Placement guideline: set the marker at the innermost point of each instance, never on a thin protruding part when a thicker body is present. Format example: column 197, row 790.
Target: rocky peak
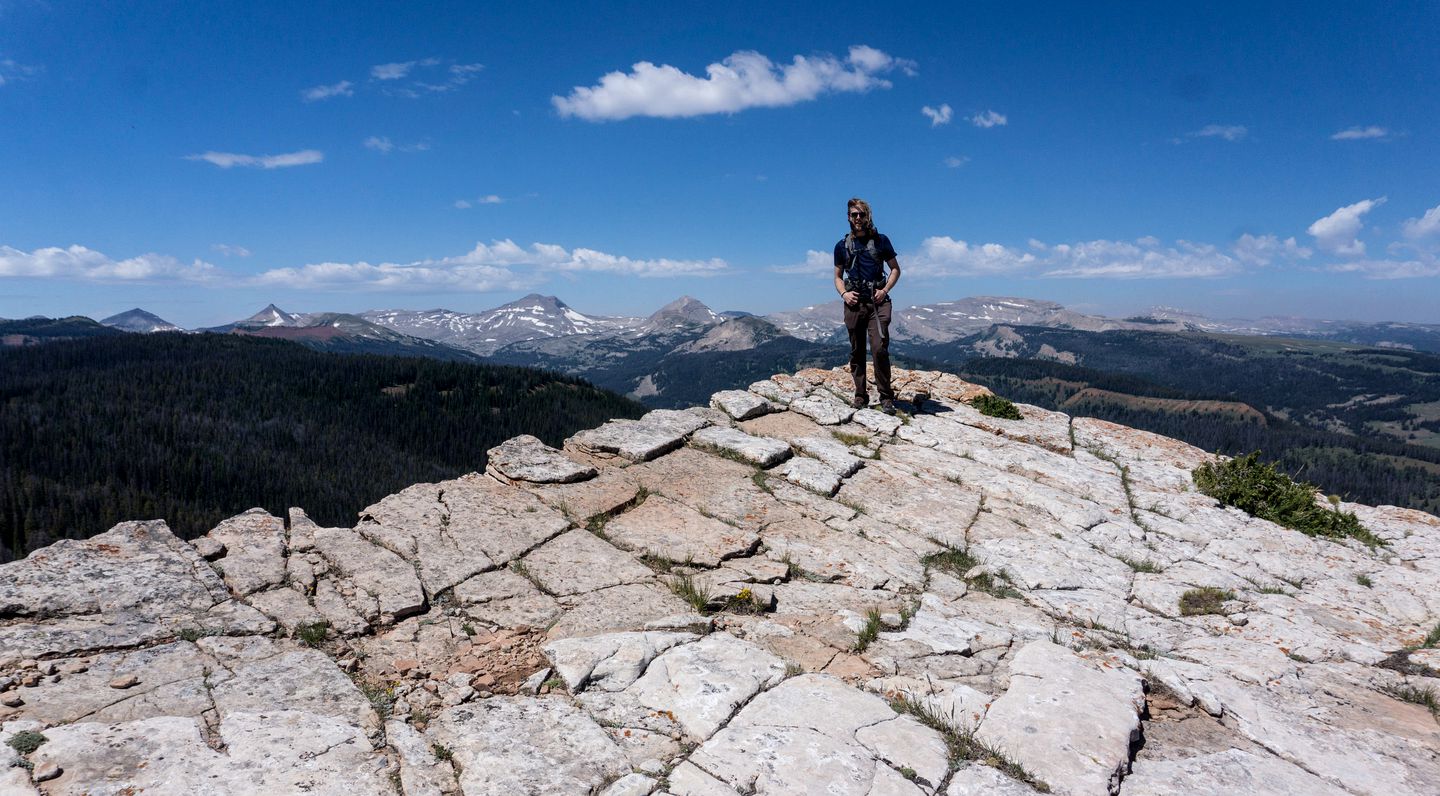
column 682, row 312
column 138, row 320
column 735, row 334
column 271, row 316
column 709, row 601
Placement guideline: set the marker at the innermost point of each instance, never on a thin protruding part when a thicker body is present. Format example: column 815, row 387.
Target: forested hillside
column 195, row 428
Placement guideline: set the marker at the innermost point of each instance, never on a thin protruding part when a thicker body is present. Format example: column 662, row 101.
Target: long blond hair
column 867, row 220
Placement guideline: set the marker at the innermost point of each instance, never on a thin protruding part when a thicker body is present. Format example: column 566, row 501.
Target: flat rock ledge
column 776, row 594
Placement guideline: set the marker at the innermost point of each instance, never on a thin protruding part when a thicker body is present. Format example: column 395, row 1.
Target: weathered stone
column 384, row 577
column 759, row 451
column 799, row 737
column 741, row 404
column 208, row 548
column 975, row 779
column 781, row 391
column 503, row 598
column 1223, row 773
column 719, row 488
column 459, row 528
column 579, row 562
column 254, row 545
column 525, row 458
column 636, row 440
column 675, row 532
column 421, row 773
column 831, row 451
column 811, row 474
column 702, row 683
column 825, row 411
column 564, row 751
column 634, row 784
column 876, row 421
column 1067, row 720
column 630, row 607
column 610, row 662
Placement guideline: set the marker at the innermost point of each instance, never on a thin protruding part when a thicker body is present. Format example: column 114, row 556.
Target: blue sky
column 203, row 159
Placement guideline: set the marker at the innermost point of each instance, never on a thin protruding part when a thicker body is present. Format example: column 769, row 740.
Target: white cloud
column 230, row 251
column 1267, row 249
column 1145, row 258
column 1360, row 133
column 81, row 263
column 379, row 143
column 1424, row 226
column 1337, row 232
column 10, row 70
column 1229, row 132
column 499, row 265
column 316, row 93
column 487, row 199
column 227, row 160
column 955, row 161
column 938, row 116
column 399, row 69
column 816, row 263
column 989, row 119
column 945, row 256
column 745, row 79
column 1422, row 266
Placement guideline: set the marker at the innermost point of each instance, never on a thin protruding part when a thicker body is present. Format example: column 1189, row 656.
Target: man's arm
column 894, row 277
column 850, row 296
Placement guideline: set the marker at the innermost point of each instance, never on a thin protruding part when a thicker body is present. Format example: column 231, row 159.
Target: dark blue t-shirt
column 867, row 267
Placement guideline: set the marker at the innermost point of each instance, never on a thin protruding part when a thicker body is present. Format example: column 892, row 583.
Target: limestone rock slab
column 564, row 751
column 610, row 662
column 831, row 451
column 741, row 404
column 703, row 682
column 387, row 578
column 1068, row 721
column 254, row 551
column 579, row 561
column 526, row 458
column 759, row 451
column 1223, row 773
column 629, row 607
column 825, row 411
column 674, row 531
column 811, row 474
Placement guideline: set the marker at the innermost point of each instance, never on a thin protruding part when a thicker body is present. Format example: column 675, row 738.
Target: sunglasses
column 857, row 214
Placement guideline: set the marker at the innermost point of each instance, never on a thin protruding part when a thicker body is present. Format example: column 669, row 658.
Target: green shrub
column 27, row 741
column 1258, row 489
column 993, row 405
column 1204, row 600
column 312, row 634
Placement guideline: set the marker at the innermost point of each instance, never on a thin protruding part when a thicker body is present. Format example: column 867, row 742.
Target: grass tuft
column 869, row 632
column 380, row 696
column 1141, row 565
column 1364, row 580
column 992, row 405
column 1204, row 600
column 1423, row 696
column 193, row 634
column 847, row 438
column 442, row 752
column 312, row 634
column 685, row 588
column 961, row 746
column 957, row 562
column 1260, row 490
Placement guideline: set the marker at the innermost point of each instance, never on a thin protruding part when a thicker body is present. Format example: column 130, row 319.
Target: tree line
column 196, row 428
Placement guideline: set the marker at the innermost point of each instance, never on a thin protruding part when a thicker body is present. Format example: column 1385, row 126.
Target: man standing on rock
column 860, row 278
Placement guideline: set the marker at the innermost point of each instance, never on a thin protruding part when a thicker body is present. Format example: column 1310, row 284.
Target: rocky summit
column 775, row 594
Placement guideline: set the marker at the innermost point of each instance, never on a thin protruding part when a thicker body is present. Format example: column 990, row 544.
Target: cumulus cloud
column 316, row 93
column 945, row 256
column 816, row 263
column 955, row 161
column 1145, row 258
column 226, row 160
column 1229, row 132
column 1337, row 232
column 379, row 143
column 81, row 263
column 230, row 251
column 1426, row 264
column 496, row 266
column 745, row 79
column 1268, row 249
column 1425, row 226
column 938, row 116
column 989, row 119
column 1360, row 133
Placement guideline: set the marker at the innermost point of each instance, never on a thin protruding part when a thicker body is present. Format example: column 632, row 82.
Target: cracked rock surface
column 776, row 595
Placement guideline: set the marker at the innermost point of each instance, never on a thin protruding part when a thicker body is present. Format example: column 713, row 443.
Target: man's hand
column 880, row 296
column 851, row 298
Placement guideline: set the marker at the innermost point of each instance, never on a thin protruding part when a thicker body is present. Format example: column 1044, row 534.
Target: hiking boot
column 887, row 406
column 859, row 402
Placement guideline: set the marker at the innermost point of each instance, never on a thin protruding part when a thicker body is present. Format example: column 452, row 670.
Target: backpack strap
column 852, row 255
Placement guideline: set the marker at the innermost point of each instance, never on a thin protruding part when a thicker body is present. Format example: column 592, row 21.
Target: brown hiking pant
column 868, row 320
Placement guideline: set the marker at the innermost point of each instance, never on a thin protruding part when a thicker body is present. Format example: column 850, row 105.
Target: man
column 860, row 278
